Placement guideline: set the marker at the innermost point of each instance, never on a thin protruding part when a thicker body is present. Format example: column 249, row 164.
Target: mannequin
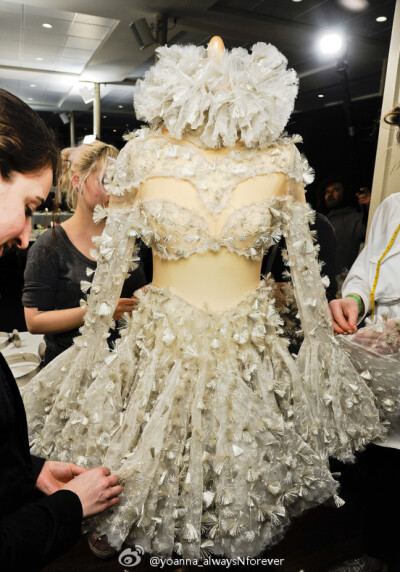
column 218, row 436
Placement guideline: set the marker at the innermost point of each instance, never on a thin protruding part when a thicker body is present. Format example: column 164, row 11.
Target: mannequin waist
column 218, row 281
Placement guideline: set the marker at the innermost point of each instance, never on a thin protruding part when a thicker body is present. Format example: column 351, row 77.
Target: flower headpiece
column 239, row 97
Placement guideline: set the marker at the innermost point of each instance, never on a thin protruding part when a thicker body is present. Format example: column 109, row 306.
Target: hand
column 344, row 314
column 54, row 475
column 125, row 305
column 364, row 196
column 385, row 340
column 97, row 490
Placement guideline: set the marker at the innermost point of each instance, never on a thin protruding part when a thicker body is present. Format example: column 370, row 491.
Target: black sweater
column 34, row 528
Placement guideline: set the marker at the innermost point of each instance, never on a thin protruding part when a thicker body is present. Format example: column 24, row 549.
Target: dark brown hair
column 26, row 144
column 393, row 118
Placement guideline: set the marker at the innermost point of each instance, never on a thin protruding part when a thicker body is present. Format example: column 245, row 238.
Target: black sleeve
column 41, row 274
column 37, row 465
column 39, row 532
column 327, row 243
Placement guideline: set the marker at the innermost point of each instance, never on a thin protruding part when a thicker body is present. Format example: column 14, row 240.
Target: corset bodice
column 175, row 231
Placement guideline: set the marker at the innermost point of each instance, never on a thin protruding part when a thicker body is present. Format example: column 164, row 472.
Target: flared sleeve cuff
column 339, row 398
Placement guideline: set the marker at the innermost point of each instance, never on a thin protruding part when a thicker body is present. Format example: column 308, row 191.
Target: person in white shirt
column 373, row 284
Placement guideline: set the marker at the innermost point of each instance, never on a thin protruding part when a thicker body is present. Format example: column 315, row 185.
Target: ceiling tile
column 81, row 43
column 88, row 31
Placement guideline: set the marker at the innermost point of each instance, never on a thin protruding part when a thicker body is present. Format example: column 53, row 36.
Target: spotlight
column 331, row 44
column 142, row 32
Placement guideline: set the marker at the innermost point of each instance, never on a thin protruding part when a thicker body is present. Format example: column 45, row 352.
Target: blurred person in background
column 62, row 258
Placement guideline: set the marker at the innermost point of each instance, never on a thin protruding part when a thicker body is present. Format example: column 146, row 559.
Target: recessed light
column 321, row 95
column 381, row 19
column 120, row 106
column 39, row 59
column 33, row 85
column 48, row 26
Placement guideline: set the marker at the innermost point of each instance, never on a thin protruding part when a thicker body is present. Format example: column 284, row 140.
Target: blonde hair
column 84, row 160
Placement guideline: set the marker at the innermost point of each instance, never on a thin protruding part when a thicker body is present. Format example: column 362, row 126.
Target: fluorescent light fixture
column 39, row 59
column 331, row 43
column 381, row 19
column 89, row 139
column 354, row 5
column 33, row 85
column 47, row 26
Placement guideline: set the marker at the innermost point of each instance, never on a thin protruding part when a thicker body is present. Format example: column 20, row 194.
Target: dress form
column 233, row 276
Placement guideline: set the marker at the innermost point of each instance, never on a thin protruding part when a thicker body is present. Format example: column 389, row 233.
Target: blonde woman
column 60, row 259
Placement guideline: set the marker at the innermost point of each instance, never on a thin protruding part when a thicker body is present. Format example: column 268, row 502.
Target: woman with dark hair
column 41, row 502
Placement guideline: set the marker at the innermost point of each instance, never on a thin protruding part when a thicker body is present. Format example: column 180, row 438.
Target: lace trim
column 151, row 154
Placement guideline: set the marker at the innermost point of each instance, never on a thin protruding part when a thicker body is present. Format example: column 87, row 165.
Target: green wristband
column 358, row 300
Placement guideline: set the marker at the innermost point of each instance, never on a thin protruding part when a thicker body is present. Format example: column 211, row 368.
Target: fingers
column 340, row 323
column 76, row 470
column 344, row 315
column 112, row 492
column 113, row 480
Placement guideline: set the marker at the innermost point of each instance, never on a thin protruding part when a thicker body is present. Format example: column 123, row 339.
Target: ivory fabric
column 219, row 435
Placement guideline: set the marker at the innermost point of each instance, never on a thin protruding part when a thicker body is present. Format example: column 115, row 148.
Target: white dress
column 218, row 434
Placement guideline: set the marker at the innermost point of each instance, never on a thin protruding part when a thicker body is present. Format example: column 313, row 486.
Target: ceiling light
column 321, row 95
column 354, row 5
column 296, row 0
column 104, row 116
column 381, row 19
column 39, row 59
column 331, row 43
column 33, row 85
column 48, row 26
column 120, row 106
column 30, row 98
column 114, row 130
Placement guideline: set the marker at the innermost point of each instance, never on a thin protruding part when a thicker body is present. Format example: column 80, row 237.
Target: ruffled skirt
column 204, row 417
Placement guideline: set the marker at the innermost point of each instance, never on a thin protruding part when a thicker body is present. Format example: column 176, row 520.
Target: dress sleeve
column 115, row 254
column 341, row 404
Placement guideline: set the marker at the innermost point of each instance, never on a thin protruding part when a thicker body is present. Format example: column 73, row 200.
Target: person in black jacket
column 41, row 502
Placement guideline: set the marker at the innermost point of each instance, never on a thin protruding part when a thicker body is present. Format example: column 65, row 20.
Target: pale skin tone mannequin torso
column 80, row 229
column 233, row 276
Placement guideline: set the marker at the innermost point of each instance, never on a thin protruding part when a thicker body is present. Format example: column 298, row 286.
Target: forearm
column 54, row 320
column 40, row 531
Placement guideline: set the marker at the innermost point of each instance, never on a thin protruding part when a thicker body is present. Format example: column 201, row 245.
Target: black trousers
column 381, row 468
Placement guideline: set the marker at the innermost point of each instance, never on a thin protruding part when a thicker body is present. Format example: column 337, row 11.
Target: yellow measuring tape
column 389, row 246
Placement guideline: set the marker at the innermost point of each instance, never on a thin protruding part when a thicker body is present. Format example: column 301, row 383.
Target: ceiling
column 90, row 40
